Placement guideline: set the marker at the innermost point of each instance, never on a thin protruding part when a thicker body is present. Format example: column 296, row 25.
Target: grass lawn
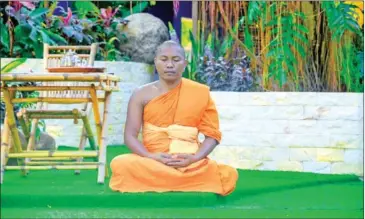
column 259, row 194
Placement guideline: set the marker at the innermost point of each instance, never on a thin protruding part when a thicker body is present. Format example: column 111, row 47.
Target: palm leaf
column 12, row 65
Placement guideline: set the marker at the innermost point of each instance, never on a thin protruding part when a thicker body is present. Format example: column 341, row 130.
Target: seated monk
column 172, row 112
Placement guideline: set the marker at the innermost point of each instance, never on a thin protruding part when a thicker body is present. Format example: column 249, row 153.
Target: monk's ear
column 186, row 62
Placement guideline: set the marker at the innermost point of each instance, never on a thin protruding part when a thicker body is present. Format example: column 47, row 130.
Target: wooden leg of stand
column 102, row 170
column 4, row 147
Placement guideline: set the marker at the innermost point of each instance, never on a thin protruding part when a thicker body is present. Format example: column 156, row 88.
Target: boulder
column 45, row 142
column 144, row 33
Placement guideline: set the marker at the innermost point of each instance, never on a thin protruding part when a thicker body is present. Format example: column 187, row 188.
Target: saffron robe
column 171, row 124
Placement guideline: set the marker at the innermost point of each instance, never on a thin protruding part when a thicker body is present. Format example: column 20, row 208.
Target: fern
column 340, row 18
column 290, row 37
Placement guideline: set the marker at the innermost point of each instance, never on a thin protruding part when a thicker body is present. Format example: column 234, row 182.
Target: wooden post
column 93, row 51
column 12, row 125
column 95, row 105
column 103, row 170
column 4, row 147
column 45, row 55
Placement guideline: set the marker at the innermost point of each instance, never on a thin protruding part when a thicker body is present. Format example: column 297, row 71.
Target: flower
column 66, row 20
column 108, row 14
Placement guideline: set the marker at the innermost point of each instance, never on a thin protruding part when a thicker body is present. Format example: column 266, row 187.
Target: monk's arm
column 133, row 124
column 209, row 126
column 206, row 148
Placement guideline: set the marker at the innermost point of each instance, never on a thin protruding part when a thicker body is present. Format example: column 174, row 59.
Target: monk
column 172, row 112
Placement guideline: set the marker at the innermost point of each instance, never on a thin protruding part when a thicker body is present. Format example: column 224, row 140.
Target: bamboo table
column 101, row 82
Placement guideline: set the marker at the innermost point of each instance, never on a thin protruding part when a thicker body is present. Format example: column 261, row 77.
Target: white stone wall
column 311, row 132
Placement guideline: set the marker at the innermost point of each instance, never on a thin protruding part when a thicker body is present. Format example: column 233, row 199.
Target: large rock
column 45, row 142
column 144, row 33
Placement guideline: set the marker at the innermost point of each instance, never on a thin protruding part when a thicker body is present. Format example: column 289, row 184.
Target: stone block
column 302, row 140
column 275, row 112
column 304, row 127
column 344, row 168
column 294, row 99
column 232, row 113
column 354, row 156
column 115, row 139
column 269, row 165
column 255, row 99
column 249, row 140
column 303, row 154
column 346, row 141
column 317, row 167
column 338, row 99
column 271, row 154
column 340, row 127
column 245, row 152
column 329, row 154
column 262, row 126
column 223, row 98
column 331, row 112
column 289, row 166
column 249, row 164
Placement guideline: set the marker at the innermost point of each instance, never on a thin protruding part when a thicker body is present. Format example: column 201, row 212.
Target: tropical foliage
column 291, row 45
column 26, row 25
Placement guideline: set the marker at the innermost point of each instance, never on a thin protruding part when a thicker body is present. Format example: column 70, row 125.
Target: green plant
column 289, row 39
column 25, row 30
column 323, row 38
column 29, row 25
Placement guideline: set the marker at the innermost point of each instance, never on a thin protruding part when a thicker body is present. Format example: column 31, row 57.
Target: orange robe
column 171, row 124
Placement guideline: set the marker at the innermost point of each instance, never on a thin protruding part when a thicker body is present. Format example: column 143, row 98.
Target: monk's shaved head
column 171, row 43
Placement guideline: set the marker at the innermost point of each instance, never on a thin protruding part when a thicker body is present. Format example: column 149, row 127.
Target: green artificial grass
column 259, row 194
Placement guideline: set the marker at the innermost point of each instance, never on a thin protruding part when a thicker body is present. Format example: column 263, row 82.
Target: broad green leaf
column 273, row 52
column 140, row 7
column 38, row 49
column 56, row 38
column 83, row 7
column 46, row 38
column 291, row 67
column 302, row 38
column 4, row 36
column 253, row 12
column 38, row 12
column 12, row 65
column 248, row 39
column 287, row 51
column 22, row 31
column 33, row 34
column 301, row 51
column 302, row 28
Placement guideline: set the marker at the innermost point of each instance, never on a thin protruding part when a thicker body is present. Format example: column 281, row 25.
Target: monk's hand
column 160, row 157
column 181, row 160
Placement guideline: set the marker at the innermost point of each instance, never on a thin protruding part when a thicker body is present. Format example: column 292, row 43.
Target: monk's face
column 170, row 63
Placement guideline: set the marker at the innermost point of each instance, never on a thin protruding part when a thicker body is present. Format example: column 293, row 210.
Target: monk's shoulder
column 196, row 86
column 141, row 91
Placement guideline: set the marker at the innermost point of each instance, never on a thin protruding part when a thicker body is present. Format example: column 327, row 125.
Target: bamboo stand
column 32, row 159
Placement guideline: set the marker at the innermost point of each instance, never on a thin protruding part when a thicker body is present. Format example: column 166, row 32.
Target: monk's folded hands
column 181, row 160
